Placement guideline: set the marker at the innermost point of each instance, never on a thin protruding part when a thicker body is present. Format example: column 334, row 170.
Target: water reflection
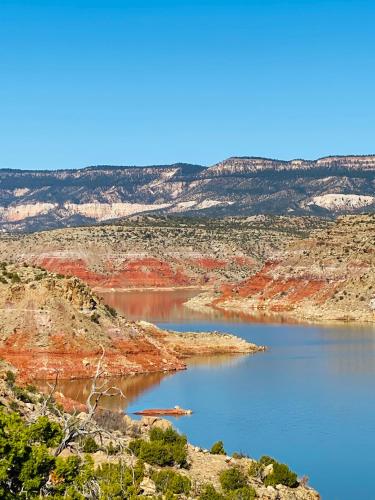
column 168, row 305
column 153, row 305
column 216, row 360
column 349, row 350
column 132, row 386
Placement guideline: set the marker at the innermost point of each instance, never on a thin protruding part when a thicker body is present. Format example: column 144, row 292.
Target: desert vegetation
column 48, row 453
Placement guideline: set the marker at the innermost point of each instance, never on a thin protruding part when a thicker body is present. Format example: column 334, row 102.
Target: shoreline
column 197, row 465
column 150, row 289
column 182, row 346
column 205, row 303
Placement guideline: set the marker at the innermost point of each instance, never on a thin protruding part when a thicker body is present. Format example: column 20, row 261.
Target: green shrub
column 232, row 479
column 179, row 453
column 168, row 481
column 266, row 460
column 112, row 450
column 218, row 448
column 156, row 453
column 117, row 481
column 31, row 388
column 89, row 445
column 164, row 448
column 244, row 493
column 86, row 472
column 255, row 469
column 15, row 278
column 35, row 470
column 10, row 378
column 281, row 475
column 22, row 394
column 209, row 493
column 95, row 317
column 135, row 446
column 25, row 461
column 13, row 405
column 169, row 436
column 45, row 431
column 111, row 310
column 65, row 472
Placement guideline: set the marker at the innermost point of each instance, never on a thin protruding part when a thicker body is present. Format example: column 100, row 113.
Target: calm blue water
column 309, row 401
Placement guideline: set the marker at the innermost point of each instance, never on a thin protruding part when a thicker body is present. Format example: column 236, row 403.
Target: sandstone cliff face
column 23, row 211
column 329, row 276
column 34, row 200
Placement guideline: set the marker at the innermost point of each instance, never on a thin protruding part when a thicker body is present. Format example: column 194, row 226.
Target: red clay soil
column 277, row 295
column 122, row 357
column 69, row 267
column 69, row 405
column 146, row 272
column 209, row 263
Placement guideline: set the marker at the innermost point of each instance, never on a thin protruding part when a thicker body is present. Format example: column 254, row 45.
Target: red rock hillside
column 49, row 323
column 329, row 276
column 157, row 252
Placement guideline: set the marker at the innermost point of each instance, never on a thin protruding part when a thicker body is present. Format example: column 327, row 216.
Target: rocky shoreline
column 188, row 344
column 208, row 302
column 52, row 324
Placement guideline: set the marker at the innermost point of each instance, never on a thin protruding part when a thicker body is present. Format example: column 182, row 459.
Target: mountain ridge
column 329, row 186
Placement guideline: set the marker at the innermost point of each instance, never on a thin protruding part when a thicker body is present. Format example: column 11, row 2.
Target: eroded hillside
column 49, row 323
column 330, row 275
column 160, row 251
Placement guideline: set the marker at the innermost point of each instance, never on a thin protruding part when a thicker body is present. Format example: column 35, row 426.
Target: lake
column 308, row 401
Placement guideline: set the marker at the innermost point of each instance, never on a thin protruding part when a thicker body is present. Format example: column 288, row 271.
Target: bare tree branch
column 74, row 426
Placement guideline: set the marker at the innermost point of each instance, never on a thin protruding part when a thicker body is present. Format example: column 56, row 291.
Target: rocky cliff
column 33, row 200
column 49, row 323
column 328, row 276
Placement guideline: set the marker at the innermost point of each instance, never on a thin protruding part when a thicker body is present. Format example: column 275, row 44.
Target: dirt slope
column 329, row 276
column 49, row 323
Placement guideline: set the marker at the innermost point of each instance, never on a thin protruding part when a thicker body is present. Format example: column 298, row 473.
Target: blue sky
column 146, row 82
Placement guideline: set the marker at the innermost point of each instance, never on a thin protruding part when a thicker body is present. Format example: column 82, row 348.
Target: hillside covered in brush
column 327, row 276
column 157, row 251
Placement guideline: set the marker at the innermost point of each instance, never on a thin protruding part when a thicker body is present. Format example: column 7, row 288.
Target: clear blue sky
column 144, row 82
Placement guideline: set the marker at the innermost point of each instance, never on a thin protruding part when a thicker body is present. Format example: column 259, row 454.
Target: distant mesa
column 32, row 200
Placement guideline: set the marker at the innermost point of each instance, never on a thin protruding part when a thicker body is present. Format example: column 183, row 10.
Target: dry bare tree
column 76, row 426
